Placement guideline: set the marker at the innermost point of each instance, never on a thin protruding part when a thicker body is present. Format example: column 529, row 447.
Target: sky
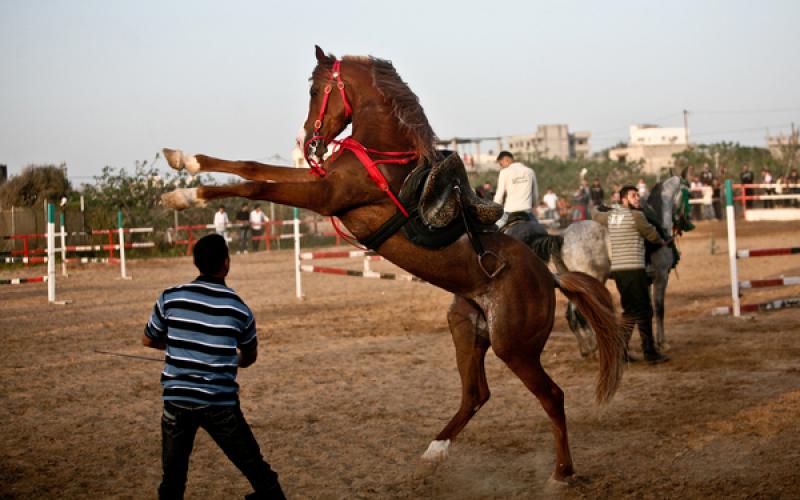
column 95, row 82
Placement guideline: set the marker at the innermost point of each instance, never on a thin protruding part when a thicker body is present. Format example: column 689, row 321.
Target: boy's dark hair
column 210, row 253
column 625, row 190
column 504, row 154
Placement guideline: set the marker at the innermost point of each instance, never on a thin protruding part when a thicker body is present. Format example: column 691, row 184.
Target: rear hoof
column 425, row 469
column 181, row 199
column 436, row 453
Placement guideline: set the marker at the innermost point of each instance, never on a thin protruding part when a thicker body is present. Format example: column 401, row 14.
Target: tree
column 33, row 185
column 138, row 195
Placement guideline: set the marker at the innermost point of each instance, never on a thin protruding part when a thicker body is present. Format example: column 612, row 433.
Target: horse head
column 368, row 93
column 329, row 108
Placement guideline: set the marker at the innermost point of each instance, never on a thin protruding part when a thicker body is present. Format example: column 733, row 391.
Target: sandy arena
column 354, row 382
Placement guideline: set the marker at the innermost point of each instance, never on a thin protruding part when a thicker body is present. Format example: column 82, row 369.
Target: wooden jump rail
column 756, row 214
column 734, row 254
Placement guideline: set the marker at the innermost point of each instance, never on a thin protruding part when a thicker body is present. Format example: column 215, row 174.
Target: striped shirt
column 202, row 323
column 626, row 230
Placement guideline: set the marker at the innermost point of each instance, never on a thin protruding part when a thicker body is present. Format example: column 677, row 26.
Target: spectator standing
column 580, row 201
column 779, row 190
column 550, row 199
column 641, row 187
column 747, row 177
column 628, row 227
column 597, row 194
column 221, row 222
column 716, row 199
column 766, row 178
column 696, row 194
column 208, row 333
column 706, row 176
column 258, row 219
column 243, row 221
column 794, row 178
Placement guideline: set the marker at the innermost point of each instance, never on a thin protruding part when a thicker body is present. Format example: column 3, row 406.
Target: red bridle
column 359, row 150
column 313, row 143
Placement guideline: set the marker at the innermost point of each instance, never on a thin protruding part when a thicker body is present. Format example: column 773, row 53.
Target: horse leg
column 250, row 170
column 659, row 293
column 527, row 366
column 471, row 341
column 315, row 196
column 582, row 331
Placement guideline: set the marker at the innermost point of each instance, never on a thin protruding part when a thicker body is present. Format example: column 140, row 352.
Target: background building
column 653, row 145
column 550, row 141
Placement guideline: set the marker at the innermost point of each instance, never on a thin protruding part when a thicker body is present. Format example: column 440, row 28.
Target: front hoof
column 174, row 158
column 181, row 199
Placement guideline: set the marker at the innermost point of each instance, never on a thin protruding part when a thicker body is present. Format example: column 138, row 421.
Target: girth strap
column 476, row 242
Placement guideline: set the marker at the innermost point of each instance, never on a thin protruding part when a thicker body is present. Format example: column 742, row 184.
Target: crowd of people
column 706, row 191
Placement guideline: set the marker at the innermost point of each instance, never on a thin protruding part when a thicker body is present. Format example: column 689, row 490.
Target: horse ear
column 321, row 57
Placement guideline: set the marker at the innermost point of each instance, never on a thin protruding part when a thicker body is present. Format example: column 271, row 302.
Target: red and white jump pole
column 736, row 286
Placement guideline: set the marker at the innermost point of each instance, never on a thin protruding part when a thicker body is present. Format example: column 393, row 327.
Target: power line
column 743, row 111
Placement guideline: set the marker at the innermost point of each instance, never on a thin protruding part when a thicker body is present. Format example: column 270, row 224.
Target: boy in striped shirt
column 208, row 332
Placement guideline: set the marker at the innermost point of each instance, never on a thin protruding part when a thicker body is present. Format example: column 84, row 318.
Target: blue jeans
column 227, row 426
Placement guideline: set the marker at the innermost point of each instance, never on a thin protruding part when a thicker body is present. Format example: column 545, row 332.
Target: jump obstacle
column 366, row 272
column 737, row 308
column 50, row 277
column 51, row 250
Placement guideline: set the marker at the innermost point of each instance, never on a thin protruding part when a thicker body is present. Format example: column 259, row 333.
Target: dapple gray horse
column 584, row 246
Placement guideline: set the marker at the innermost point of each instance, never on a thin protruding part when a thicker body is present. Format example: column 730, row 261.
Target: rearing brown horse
column 512, row 312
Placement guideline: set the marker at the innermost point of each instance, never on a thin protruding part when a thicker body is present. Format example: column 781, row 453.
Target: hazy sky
column 98, row 82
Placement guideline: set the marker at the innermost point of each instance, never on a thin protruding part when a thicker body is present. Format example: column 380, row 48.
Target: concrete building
column 550, row 141
column 785, row 146
column 652, row 144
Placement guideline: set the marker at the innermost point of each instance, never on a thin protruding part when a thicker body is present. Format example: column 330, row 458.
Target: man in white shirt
column 257, row 221
column 518, row 192
column 550, row 199
column 221, row 222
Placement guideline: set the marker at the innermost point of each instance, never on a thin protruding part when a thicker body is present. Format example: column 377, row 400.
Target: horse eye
column 313, row 91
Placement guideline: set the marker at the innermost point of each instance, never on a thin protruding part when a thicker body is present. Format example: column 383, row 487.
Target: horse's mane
column 657, row 198
column 654, row 199
column 405, row 105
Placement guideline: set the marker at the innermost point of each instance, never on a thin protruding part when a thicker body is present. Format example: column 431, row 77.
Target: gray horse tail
column 548, row 248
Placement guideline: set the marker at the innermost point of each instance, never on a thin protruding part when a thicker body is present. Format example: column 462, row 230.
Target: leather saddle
column 446, row 190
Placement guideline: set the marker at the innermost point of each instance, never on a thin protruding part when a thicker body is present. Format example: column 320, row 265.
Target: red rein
column 359, row 150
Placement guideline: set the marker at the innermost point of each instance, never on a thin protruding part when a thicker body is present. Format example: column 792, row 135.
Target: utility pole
column 686, row 126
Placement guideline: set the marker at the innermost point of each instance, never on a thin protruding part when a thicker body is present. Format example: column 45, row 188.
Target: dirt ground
column 354, row 382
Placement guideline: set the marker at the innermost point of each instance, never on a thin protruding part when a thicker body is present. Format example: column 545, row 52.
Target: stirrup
column 491, row 275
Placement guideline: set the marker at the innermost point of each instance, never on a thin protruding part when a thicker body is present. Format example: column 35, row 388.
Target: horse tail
column 549, row 247
column 594, row 301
